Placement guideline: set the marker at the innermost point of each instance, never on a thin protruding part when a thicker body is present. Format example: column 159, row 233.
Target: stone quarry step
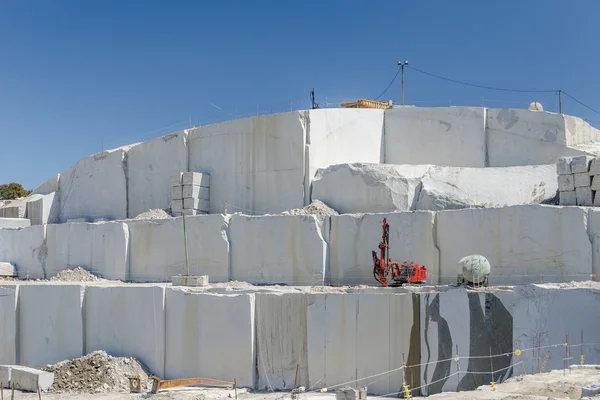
column 7, row 269
column 25, row 378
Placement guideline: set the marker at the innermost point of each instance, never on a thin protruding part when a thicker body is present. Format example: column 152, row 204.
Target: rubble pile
column 97, row 373
column 76, row 274
column 154, row 214
column 317, row 207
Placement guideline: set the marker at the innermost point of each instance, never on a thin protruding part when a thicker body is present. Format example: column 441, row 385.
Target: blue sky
column 77, row 77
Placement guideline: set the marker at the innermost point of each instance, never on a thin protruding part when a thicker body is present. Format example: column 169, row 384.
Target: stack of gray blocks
column 190, row 194
column 576, row 177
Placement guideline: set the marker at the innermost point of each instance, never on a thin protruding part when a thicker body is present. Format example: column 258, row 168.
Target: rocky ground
column 77, row 274
column 553, row 385
column 317, row 207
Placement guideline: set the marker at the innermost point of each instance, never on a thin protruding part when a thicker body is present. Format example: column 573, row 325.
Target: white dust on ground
column 317, row 207
column 97, row 373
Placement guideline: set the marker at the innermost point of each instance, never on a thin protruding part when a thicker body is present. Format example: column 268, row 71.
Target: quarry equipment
column 474, row 270
column 364, row 103
column 398, row 272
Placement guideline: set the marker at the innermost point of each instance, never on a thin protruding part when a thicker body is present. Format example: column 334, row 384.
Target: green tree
column 13, row 190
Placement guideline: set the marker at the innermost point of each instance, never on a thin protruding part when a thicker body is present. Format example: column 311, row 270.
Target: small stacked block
column 575, row 181
column 190, row 194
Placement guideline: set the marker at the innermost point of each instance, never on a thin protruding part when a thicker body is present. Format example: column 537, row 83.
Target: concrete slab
column 353, row 237
column 563, row 166
column 8, row 327
column 5, row 372
column 26, row 249
column 255, row 164
column 157, row 250
column 524, row 244
column 195, row 179
column 202, row 328
column 127, row 321
column 95, row 187
column 30, row 379
column 338, row 326
column 101, row 248
column 339, row 136
column 150, row 166
column 12, row 223
column 284, row 249
column 566, row 183
column 58, row 333
column 44, row 210
column 582, row 179
column 567, row 198
column 196, row 192
column 7, row 269
column 442, row 136
column 584, row 195
column 475, row 323
column 543, row 316
column 281, row 340
column 176, row 193
column 375, row 187
column 581, row 164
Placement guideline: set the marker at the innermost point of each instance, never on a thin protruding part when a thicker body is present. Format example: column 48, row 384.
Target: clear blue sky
column 80, row 76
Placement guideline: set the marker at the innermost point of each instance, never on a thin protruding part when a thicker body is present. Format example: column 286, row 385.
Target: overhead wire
column 580, row 102
column 390, row 85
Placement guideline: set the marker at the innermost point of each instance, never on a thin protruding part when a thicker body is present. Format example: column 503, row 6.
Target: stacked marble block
column 578, row 181
column 189, row 194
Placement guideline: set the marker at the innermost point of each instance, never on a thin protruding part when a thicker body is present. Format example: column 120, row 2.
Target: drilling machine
column 399, row 272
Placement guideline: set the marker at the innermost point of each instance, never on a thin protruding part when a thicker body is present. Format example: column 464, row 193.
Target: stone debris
column 77, row 274
column 153, row 214
column 97, row 372
column 317, row 207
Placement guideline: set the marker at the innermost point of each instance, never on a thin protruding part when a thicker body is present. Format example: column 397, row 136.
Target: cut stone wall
column 8, row 327
column 256, row 165
column 51, row 324
column 355, row 236
column 157, row 248
column 95, row 187
column 26, row 249
column 281, row 343
column 211, row 336
column 14, row 223
column 101, row 248
column 150, row 166
column 127, row 321
column 44, row 209
column 280, row 249
column 524, row 244
column 443, row 136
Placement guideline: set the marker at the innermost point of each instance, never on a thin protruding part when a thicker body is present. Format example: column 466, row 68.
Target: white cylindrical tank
column 475, row 269
column 536, row 106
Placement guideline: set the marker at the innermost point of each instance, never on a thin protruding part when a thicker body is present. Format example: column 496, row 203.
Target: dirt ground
column 546, row 386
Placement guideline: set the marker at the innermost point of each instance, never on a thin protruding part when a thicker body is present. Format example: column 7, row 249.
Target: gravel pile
column 317, row 207
column 154, row 214
column 76, row 274
column 97, row 373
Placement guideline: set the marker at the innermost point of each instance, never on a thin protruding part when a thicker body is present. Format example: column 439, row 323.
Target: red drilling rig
column 399, row 272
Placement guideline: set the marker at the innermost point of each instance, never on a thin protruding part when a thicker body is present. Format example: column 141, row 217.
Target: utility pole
column 559, row 101
column 402, row 64
column 312, row 99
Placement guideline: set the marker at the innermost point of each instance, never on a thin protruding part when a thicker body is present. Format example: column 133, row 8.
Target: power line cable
column 390, row 85
column 481, row 86
column 583, row 104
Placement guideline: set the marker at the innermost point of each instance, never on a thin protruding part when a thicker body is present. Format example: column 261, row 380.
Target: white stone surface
column 523, row 137
column 15, row 208
column 189, row 280
column 44, row 209
column 26, row 249
column 524, row 244
column 95, row 187
column 356, row 188
column 101, row 248
column 177, row 206
column 127, row 321
column 12, row 223
column 281, row 340
column 195, row 178
column 255, row 164
column 5, row 375
column 563, row 166
column 567, row 198
column 581, row 164
column 454, row 188
column 157, row 250
column 196, row 204
column 566, row 183
column 51, row 185
column 594, row 235
column 584, row 196
column 7, row 269
column 595, row 167
column 176, row 192
column 195, row 191
column 478, row 323
column 51, row 321
column 442, row 136
column 579, row 132
column 354, row 336
column 8, row 327
column 177, row 179
column 339, row 135
column 285, row 249
column 544, row 315
column 582, row 179
column 30, row 379
column 211, row 336
column 150, row 166
column 353, row 237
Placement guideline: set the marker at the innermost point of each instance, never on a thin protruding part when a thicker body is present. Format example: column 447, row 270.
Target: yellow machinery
column 364, row 103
